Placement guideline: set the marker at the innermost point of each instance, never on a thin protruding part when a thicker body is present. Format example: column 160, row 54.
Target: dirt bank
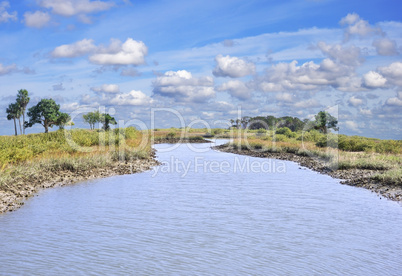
column 192, row 140
column 13, row 195
column 352, row 177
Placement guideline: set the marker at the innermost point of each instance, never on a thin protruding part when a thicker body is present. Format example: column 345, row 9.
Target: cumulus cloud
column 233, row 67
column 351, row 125
column 5, row 16
column 131, row 52
column 183, row 87
column 37, row 19
column 392, row 72
column 236, row 89
column 385, row 47
column 366, row 112
column 346, row 55
column 75, row 7
column 355, row 26
column 307, row 103
column 394, row 101
column 106, row 88
column 284, row 97
column 4, row 70
column 76, row 49
column 355, row 101
column 134, row 97
column 284, row 77
column 374, row 80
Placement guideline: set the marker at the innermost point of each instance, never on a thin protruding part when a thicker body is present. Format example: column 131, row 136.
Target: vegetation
column 22, row 101
column 92, row 118
column 47, row 113
column 107, row 120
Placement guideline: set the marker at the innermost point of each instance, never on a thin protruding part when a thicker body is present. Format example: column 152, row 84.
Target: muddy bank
column 165, row 140
column 353, row 177
column 13, row 195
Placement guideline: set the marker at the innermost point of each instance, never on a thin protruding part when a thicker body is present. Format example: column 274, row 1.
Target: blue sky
column 207, row 59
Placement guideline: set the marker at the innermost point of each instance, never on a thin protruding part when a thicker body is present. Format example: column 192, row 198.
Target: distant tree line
column 323, row 121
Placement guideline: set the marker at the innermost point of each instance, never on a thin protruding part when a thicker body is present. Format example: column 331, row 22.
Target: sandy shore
column 14, row 197
column 352, row 177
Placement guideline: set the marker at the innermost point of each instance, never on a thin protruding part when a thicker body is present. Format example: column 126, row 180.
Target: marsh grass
column 387, row 165
column 24, row 158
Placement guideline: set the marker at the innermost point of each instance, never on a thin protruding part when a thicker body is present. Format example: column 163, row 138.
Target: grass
column 384, row 158
column 79, row 150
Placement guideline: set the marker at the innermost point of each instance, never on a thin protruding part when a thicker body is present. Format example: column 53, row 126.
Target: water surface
column 221, row 217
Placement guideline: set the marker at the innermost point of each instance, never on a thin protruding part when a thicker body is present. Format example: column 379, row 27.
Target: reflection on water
column 205, row 212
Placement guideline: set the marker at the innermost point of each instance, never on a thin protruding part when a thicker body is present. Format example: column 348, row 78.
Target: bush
column 171, row 135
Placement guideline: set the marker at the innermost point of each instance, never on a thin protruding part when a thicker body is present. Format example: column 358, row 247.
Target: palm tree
column 13, row 112
column 23, row 100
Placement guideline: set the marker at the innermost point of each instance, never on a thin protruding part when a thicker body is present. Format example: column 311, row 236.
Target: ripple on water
column 298, row 222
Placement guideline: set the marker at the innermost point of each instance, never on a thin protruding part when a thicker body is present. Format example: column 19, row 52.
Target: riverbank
column 26, row 181
column 184, row 140
column 365, row 178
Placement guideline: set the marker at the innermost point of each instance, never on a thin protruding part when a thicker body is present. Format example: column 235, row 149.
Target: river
column 204, row 212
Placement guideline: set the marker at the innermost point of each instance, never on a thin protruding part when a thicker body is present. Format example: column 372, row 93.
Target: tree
column 325, row 121
column 13, row 113
column 107, row 120
column 63, row 120
column 47, row 113
column 92, row 118
column 23, row 100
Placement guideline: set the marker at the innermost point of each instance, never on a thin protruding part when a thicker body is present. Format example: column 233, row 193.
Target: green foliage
column 311, row 136
column 107, row 120
column 46, row 113
column 23, row 100
column 13, row 112
column 92, row 118
column 325, row 121
column 286, row 131
column 171, row 135
column 17, row 149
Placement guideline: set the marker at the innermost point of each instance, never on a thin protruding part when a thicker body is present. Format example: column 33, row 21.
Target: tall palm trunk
column 19, row 121
column 15, row 127
column 23, row 122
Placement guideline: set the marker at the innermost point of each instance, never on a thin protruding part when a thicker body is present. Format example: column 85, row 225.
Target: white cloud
column 37, row 19
column 366, row 112
column 233, row 67
column 309, row 76
column 106, row 88
column 183, row 87
column 346, row 55
column 236, row 89
column 284, row 97
column 392, row 72
column 358, row 27
column 394, row 101
column 4, row 15
column 355, row 101
column 4, row 70
column 351, row 125
column 76, row 49
column 132, row 98
column 74, row 7
column 130, row 52
column 374, row 80
column 307, row 103
column 385, row 47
